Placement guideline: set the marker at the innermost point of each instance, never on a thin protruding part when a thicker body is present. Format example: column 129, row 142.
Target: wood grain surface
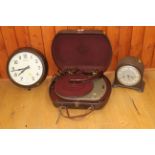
column 3, row 58
column 148, row 46
column 137, row 41
column 125, row 108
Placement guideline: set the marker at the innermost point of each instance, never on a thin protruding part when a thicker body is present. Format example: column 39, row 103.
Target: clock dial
column 26, row 68
column 128, row 75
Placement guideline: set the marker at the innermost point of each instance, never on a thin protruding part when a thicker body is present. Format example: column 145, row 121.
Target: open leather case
column 82, row 57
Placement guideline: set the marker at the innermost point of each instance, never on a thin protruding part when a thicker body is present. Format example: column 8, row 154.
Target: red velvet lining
column 64, row 87
column 82, row 51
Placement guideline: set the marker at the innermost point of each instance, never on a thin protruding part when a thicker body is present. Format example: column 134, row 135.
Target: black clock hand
column 24, row 70
column 19, row 69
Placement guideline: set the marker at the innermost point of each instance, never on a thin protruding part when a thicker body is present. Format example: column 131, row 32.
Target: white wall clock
column 27, row 67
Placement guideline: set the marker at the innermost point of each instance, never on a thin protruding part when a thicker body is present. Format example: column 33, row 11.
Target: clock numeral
column 21, row 78
column 25, row 56
column 12, row 68
column 20, row 57
column 16, row 62
column 39, row 67
column 15, row 74
column 36, row 61
column 37, row 74
column 132, row 77
column 33, row 78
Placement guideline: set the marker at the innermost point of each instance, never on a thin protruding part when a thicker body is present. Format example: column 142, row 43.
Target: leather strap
column 61, row 108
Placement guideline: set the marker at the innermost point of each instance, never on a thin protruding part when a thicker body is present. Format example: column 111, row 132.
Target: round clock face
column 128, row 75
column 26, row 68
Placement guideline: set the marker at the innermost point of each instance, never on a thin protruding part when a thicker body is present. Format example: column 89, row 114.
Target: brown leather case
column 82, row 57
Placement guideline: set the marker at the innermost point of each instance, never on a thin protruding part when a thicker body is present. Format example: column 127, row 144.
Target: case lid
column 82, row 49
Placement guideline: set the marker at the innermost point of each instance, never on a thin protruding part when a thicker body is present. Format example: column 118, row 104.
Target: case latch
column 80, row 30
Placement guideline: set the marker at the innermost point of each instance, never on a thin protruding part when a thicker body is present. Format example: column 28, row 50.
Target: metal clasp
column 80, row 30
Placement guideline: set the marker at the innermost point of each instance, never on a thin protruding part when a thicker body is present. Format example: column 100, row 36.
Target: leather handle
column 90, row 109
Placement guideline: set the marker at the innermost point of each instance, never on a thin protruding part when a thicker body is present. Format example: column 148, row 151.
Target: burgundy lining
column 64, row 87
column 82, row 51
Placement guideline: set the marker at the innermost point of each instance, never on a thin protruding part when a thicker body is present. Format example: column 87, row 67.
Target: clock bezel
column 140, row 76
column 136, row 63
column 40, row 57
